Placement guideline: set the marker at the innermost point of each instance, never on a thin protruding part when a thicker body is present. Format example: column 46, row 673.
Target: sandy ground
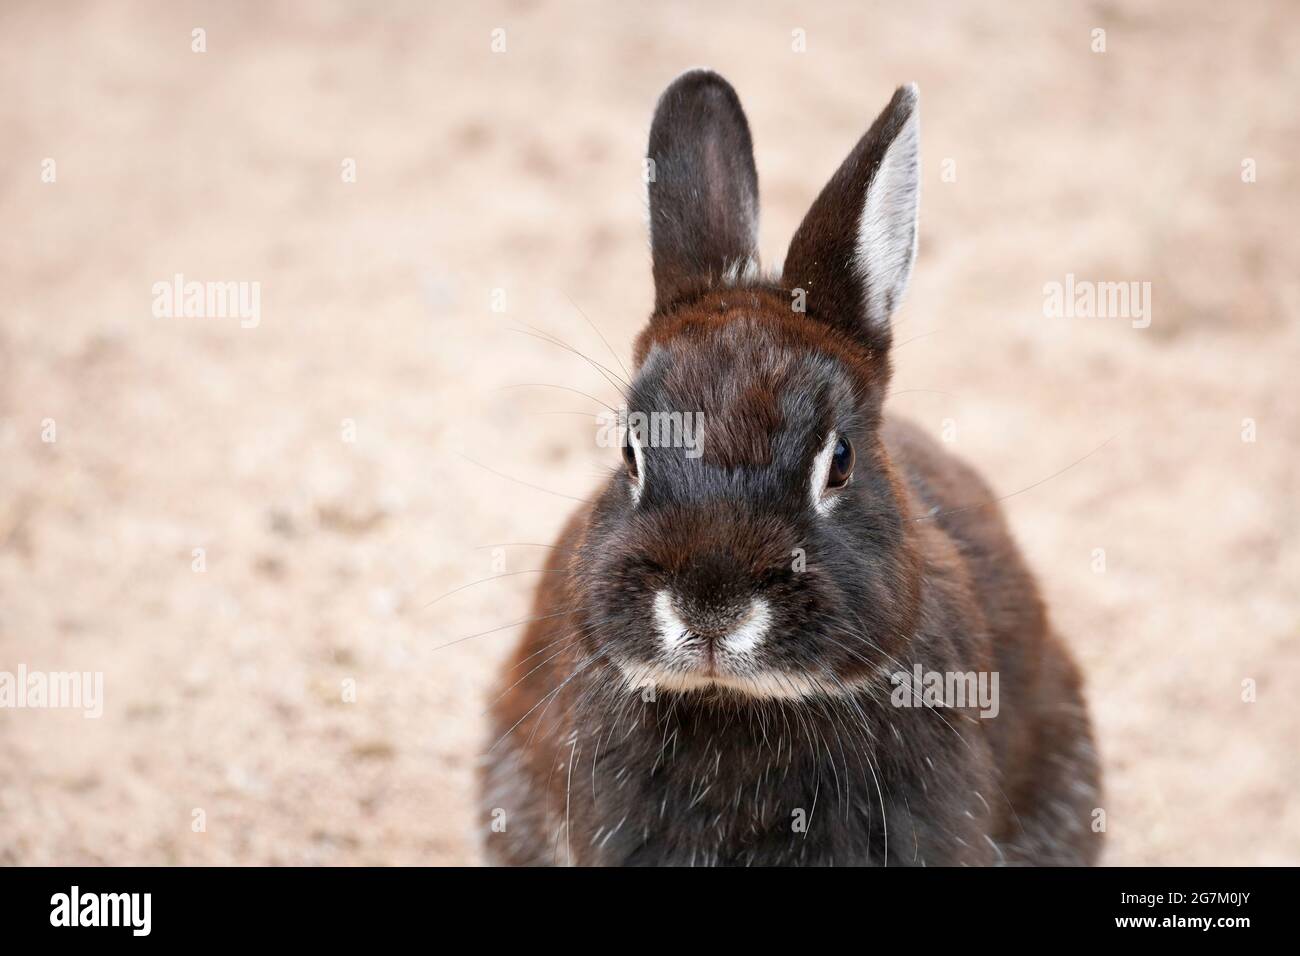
column 224, row 689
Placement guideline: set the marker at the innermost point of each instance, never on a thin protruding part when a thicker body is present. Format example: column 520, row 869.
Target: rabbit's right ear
column 852, row 255
column 703, row 187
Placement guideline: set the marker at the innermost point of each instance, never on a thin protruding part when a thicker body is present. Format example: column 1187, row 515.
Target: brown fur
column 586, row 771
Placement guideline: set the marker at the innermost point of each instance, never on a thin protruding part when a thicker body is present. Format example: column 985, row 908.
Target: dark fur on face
column 709, row 674
column 741, row 522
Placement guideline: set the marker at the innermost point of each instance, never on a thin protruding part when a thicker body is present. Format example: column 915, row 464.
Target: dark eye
column 629, row 457
column 841, row 465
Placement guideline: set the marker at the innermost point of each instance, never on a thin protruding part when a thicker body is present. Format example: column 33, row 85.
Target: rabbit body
column 728, row 659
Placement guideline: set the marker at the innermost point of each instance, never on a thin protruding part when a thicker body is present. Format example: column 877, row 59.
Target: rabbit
column 730, row 659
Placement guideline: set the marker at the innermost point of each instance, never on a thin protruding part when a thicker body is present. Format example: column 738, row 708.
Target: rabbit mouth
column 719, row 649
column 760, row 684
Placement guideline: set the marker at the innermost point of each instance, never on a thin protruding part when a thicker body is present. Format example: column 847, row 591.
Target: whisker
column 503, row 574
column 504, row 627
column 564, row 388
column 914, row 338
column 928, row 391
column 610, row 348
column 607, row 373
column 568, row 642
column 520, row 481
column 523, row 544
column 937, row 512
column 551, row 697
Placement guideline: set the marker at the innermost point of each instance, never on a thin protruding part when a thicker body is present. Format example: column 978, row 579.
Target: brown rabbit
column 739, row 655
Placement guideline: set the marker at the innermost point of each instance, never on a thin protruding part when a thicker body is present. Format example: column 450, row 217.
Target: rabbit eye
column 632, row 461
column 841, row 469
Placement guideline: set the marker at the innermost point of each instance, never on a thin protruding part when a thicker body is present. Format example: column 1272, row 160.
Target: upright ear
column 703, row 187
column 853, row 253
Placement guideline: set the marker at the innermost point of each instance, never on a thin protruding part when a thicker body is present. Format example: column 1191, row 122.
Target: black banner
column 333, row 906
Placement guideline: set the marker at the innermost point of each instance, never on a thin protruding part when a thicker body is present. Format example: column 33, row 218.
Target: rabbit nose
column 713, row 619
column 683, row 620
column 736, row 626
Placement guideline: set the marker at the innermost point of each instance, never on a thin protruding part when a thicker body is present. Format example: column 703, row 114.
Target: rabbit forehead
column 768, row 315
column 761, row 400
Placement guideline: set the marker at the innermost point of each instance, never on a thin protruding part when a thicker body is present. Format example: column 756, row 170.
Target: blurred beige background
column 520, row 171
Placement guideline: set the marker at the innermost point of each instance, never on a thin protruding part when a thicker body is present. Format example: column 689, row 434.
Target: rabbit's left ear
column 703, row 187
column 852, row 255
